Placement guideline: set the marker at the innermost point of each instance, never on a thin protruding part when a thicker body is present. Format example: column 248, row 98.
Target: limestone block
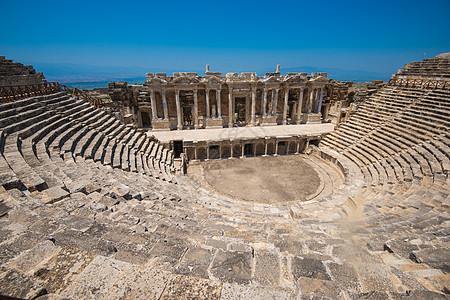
column 53, row 194
column 121, row 191
column 437, row 258
column 309, row 267
column 96, row 279
column 16, row 284
column 27, row 261
column 63, row 268
column 267, row 269
column 184, row 287
column 195, row 262
column 234, row 291
column 232, row 267
column 140, row 283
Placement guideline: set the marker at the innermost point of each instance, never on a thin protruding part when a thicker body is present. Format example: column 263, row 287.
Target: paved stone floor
column 242, row 132
column 271, row 179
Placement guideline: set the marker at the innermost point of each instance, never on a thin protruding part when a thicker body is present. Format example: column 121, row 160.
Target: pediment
column 320, row 79
column 213, row 80
column 271, row 79
column 296, row 78
column 156, row 80
column 185, row 80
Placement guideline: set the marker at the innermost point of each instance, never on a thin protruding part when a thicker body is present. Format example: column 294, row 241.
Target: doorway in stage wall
column 177, row 148
column 187, row 116
column 146, row 120
column 187, row 108
column 240, row 111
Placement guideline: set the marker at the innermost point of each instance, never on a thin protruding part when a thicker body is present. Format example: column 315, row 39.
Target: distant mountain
column 67, row 72
column 341, row 74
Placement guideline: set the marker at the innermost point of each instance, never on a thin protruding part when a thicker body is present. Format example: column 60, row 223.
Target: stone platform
column 247, row 133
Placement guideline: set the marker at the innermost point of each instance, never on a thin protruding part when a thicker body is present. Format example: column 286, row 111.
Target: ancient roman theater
column 226, row 186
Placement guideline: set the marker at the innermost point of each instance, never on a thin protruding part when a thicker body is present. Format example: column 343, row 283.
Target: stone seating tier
column 110, row 221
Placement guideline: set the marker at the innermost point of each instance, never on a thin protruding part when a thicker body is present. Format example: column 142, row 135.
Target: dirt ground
column 261, row 179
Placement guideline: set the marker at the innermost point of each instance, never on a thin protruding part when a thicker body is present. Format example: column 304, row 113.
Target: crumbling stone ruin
column 16, row 74
column 92, row 208
column 186, row 100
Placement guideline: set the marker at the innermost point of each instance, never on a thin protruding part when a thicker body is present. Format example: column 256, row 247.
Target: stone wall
column 15, row 74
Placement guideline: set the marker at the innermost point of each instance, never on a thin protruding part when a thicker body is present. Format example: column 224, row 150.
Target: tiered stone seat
column 109, row 227
column 407, row 157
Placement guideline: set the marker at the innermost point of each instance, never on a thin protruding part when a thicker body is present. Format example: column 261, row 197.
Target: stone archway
column 214, row 152
column 270, row 148
column 292, row 147
column 260, row 149
column 201, row 153
column 237, row 150
column 226, row 151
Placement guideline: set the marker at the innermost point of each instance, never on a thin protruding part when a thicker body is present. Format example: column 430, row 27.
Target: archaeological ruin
column 226, row 187
column 186, row 100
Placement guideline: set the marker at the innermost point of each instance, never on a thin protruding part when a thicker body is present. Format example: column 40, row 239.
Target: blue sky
column 231, row 36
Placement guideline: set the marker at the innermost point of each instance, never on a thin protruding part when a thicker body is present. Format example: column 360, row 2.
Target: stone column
column 252, row 122
column 207, row 104
column 276, row 147
column 339, row 113
column 164, row 101
column 264, row 103
column 311, row 100
column 195, row 153
column 220, row 151
column 230, row 108
column 219, row 108
column 242, row 150
column 179, row 120
column 231, row 150
column 275, row 103
column 153, row 104
column 270, row 107
column 299, row 108
column 316, row 102
column 254, row 149
column 319, row 106
column 286, row 97
column 265, row 147
column 196, row 108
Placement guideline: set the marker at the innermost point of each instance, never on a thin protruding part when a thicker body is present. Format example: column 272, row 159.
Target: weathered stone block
column 16, row 284
column 267, row 269
column 53, row 194
column 63, row 268
column 185, row 287
column 96, row 279
column 437, row 258
column 232, row 267
column 195, row 262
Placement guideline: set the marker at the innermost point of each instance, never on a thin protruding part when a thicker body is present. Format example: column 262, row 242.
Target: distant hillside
column 341, row 74
column 79, row 73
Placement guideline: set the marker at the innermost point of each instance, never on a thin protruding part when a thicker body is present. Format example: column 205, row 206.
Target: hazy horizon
column 96, row 40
